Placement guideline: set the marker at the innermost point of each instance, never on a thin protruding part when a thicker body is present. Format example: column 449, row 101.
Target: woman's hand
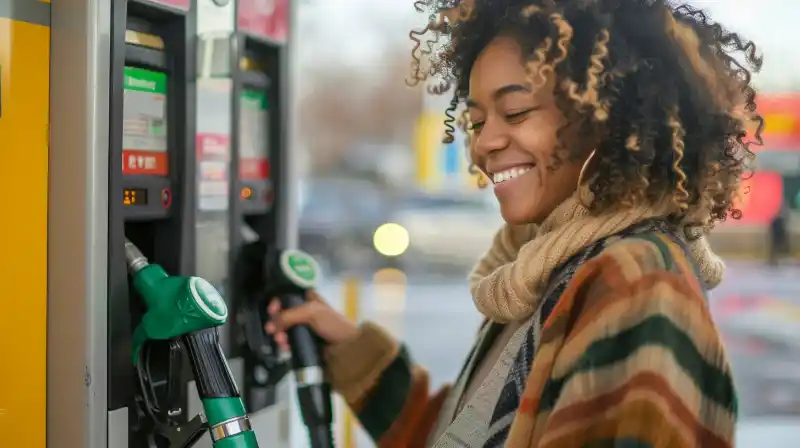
column 326, row 322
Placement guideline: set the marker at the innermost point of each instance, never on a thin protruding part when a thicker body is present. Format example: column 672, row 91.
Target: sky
column 355, row 32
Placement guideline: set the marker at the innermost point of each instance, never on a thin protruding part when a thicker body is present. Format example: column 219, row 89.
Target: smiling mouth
column 510, row 173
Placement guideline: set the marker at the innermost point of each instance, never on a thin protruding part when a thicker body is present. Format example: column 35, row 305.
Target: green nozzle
column 176, row 305
column 299, row 267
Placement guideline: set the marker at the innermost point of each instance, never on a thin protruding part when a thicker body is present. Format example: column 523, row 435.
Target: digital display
column 134, row 196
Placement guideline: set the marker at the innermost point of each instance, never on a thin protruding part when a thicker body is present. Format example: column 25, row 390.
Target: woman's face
column 514, row 138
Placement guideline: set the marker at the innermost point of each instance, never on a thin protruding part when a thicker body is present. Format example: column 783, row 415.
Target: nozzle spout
column 136, row 261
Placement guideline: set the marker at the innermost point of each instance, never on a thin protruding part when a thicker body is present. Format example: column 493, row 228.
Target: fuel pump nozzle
column 288, row 274
column 191, row 309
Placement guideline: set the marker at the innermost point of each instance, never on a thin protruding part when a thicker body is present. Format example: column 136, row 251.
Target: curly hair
column 660, row 84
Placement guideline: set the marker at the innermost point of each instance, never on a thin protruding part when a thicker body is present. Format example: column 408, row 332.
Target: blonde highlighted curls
column 680, row 197
column 537, row 68
column 565, row 34
column 589, row 98
column 689, row 41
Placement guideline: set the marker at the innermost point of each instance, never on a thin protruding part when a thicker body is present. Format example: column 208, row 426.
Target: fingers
column 270, row 327
column 300, row 315
column 282, row 341
column 313, row 296
column 281, row 320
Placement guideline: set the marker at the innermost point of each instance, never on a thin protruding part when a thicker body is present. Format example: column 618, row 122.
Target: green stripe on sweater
column 387, row 399
column 656, row 330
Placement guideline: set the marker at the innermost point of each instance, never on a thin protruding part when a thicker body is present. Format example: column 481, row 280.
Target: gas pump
column 261, row 209
column 258, row 142
column 261, row 270
column 158, row 321
column 123, row 169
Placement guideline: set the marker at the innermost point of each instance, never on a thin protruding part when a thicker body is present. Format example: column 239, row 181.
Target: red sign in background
column 761, row 197
column 264, row 18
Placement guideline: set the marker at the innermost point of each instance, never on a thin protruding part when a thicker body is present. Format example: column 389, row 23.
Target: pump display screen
column 134, row 196
column 253, row 135
column 144, row 138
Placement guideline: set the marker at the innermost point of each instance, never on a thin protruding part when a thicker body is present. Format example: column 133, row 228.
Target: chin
column 518, row 215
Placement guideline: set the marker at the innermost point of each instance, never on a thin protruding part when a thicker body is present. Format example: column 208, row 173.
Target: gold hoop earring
column 581, row 176
column 584, row 167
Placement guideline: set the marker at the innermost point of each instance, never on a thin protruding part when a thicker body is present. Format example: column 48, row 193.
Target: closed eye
column 515, row 117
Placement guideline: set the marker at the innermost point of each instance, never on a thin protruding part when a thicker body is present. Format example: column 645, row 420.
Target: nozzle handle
column 228, row 422
column 304, row 344
column 211, row 371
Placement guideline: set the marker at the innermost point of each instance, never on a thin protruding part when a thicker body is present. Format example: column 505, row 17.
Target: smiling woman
column 614, row 133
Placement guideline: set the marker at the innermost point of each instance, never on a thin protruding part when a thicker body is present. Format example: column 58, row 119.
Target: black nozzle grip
column 211, row 371
column 305, row 346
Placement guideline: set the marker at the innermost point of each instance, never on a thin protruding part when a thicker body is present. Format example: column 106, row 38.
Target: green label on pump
column 145, row 80
column 253, row 99
column 144, row 114
column 300, row 268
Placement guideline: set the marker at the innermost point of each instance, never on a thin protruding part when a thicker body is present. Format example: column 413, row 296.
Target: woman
column 612, row 131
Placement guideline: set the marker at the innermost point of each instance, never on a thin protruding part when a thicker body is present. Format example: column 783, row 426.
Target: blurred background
column 396, row 220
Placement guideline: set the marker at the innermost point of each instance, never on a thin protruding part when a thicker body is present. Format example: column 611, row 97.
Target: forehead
column 499, row 64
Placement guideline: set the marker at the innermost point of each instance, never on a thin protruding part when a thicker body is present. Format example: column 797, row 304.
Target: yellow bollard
column 389, row 294
column 352, row 289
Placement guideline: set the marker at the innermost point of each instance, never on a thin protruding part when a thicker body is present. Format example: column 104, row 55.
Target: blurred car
column 338, row 218
column 762, row 340
column 765, row 356
column 448, row 230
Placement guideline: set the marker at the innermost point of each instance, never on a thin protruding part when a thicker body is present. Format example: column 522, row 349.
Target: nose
column 492, row 137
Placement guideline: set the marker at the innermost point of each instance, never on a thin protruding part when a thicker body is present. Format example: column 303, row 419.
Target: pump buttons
column 166, row 197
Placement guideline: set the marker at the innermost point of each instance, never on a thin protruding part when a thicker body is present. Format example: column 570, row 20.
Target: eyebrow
column 501, row 92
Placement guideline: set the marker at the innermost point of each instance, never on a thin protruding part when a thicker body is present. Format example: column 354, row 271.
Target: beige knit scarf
column 507, row 282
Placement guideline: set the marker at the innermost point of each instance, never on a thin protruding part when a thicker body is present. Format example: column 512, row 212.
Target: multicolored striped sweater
column 629, row 357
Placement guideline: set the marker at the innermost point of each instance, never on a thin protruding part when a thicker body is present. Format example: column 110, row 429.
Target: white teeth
column 511, row 173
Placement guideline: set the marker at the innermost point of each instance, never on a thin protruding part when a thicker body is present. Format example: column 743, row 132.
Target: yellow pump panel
column 24, row 110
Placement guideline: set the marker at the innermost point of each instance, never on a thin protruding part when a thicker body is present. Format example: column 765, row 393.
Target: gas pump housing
column 106, row 182
column 258, row 102
column 151, row 191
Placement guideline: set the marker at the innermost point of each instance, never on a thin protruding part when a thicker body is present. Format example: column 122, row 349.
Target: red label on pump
column 213, row 145
column 147, row 163
column 254, row 169
column 180, row 4
column 264, row 18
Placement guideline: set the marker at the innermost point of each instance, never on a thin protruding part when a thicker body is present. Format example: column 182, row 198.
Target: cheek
column 538, row 137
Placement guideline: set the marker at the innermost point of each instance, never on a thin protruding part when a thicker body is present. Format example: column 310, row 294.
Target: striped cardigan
column 628, row 357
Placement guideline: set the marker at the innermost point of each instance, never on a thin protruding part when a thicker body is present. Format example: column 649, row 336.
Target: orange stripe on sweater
column 592, row 411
